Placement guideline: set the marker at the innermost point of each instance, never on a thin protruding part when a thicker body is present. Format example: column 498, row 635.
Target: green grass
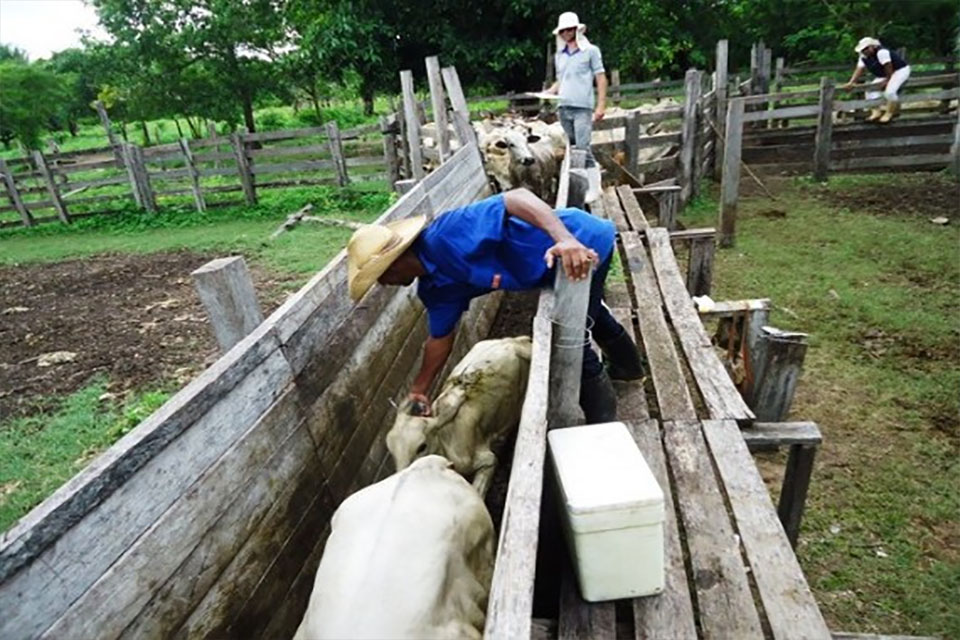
column 878, row 295
column 235, row 229
column 41, row 452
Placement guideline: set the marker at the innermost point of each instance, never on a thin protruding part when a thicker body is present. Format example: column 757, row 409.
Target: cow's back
column 408, row 557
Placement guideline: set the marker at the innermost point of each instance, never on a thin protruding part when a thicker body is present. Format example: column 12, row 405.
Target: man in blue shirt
column 509, row 241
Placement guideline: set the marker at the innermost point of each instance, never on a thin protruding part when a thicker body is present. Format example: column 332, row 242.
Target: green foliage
column 30, row 101
column 39, row 453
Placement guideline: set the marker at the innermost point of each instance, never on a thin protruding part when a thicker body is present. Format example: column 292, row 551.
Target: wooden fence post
column 413, row 124
column 754, row 69
column 143, row 178
column 227, row 293
column 778, row 88
column 730, row 184
column 111, row 134
column 955, row 149
column 700, row 267
column 723, row 83
column 821, row 152
column 632, row 141
column 451, row 81
column 691, row 91
column 194, row 175
column 793, row 492
column 41, row 162
column 778, row 371
column 566, row 351
column 129, row 161
column 212, row 134
column 243, row 168
column 388, row 131
column 615, row 81
column 14, row 195
column 669, row 206
column 439, row 105
column 404, row 147
column 336, row 152
column 579, row 183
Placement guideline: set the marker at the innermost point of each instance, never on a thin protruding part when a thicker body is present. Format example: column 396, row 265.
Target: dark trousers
column 600, row 322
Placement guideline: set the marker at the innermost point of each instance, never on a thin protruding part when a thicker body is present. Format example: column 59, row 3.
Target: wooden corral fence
column 209, row 518
column 50, row 187
column 805, row 133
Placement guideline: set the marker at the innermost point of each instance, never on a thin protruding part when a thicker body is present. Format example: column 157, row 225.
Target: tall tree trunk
column 194, row 130
column 179, row 130
column 248, row 112
column 314, row 98
column 123, row 130
column 367, row 93
column 72, row 127
column 146, row 133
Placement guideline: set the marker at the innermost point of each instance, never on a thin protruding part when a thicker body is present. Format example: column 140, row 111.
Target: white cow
column 408, row 557
column 518, row 153
column 479, row 405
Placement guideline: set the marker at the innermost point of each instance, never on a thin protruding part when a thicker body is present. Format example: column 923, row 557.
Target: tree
column 10, row 53
column 29, row 102
column 232, row 42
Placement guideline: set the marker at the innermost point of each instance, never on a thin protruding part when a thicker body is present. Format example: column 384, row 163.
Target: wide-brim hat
column 567, row 20
column 866, row 42
column 374, row 247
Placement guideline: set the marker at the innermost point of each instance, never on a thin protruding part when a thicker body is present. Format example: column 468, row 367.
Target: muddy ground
column 927, row 195
column 133, row 318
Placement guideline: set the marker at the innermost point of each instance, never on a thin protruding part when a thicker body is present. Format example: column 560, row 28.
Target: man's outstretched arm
column 435, row 354
column 576, row 258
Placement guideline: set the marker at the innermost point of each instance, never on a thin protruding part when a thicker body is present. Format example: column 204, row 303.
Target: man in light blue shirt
column 578, row 64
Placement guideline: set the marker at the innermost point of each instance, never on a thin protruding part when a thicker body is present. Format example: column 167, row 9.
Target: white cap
column 866, row 42
column 567, row 20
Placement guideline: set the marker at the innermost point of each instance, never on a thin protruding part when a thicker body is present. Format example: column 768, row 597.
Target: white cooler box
column 612, row 511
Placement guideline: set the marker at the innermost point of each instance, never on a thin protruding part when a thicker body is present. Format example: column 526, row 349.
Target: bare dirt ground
column 927, row 195
column 134, row 318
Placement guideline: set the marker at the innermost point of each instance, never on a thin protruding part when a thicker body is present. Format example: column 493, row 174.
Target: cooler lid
column 604, row 480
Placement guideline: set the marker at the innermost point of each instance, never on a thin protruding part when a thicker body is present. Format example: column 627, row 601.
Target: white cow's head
column 415, row 435
column 505, row 150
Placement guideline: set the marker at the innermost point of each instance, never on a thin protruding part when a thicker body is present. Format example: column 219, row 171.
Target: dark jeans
column 600, row 322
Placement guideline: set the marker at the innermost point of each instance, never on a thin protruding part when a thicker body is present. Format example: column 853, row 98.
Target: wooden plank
column 946, row 94
column 14, row 195
column 285, row 134
column 933, row 159
column 631, row 396
column 439, row 106
column 194, row 176
column 631, row 137
column 719, row 394
column 452, row 83
column 511, row 591
column 689, row 135
column 51, row 185
column 730, row 186
column 673, row 397
column 243, row 168
column 336, row 151
column 581, row 620
column 894, row 141
column 658, row 140
column 111, row 135
column 613, row 210
column 103, row 182
column 766, row 435
column 668, row 616
column 412, row 123
column 724, row 602
column 669, row 206
column 390, row 150
column 822, row 140
column 631, row 208
column 787, row 600
column 700, row 266
column 290, row 167
column 784, row 113
column 660, row 164
column 82, row 553
column 225, row 288
column 322, row 149
column 119, row 595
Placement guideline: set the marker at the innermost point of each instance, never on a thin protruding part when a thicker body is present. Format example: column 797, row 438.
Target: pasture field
column 115, row 291
column 859, row 266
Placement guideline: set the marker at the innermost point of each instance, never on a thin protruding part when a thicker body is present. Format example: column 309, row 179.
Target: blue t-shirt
column 473, row 250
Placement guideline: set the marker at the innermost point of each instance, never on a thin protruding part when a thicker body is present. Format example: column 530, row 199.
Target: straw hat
column 373, row 248
column 567, row 20
column 866, row 42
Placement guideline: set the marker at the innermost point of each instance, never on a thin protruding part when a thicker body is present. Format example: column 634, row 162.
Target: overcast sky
column 43, row 26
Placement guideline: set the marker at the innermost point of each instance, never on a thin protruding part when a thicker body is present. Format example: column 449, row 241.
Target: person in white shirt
column 890, row 71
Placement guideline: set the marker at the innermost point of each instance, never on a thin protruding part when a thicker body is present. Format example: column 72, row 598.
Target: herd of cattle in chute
column 528, row 152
